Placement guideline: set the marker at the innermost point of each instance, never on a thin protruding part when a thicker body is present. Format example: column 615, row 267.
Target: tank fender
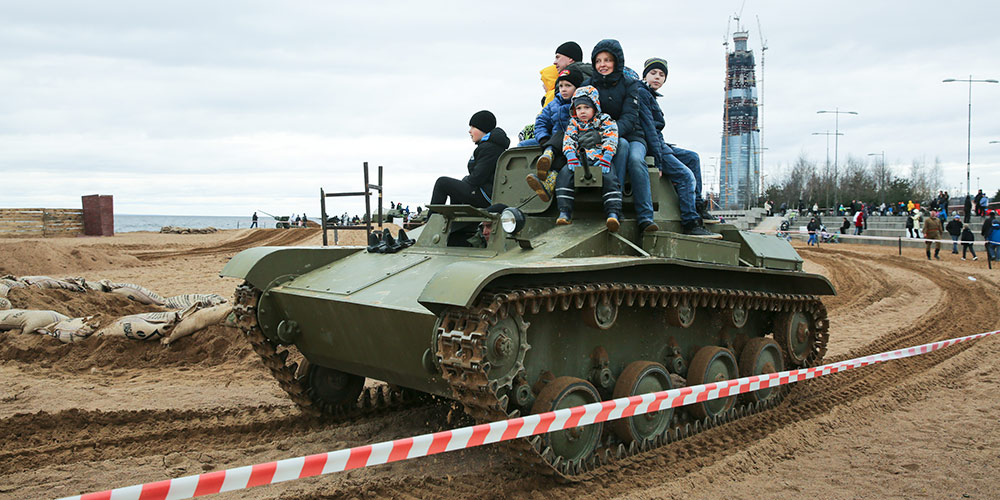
column 261, row 265
column 460, row 283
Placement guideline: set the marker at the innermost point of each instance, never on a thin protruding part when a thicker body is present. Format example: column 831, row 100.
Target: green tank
column 510, row 314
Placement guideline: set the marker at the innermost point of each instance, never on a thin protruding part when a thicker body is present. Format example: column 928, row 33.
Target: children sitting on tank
column 475, row 189
column 550, row 128
column 591, row 137
column 680, row 166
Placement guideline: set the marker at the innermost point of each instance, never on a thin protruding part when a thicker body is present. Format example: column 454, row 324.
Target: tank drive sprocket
column 462, row 352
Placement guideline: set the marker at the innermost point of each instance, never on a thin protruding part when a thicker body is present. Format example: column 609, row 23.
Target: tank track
column 372, row 399
column 462, row 348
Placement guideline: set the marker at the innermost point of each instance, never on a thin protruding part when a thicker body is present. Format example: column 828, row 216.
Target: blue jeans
column 954, row 244
column 812, row 239
column 692, row 161
column 684, row 182
column 631, row 158
column 528, row 142
column 994, row 250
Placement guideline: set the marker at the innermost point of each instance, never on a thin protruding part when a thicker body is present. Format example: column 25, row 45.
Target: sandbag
column 4, row 304
column 11, row 282
column 194, row 299
column 137, row 293
column 73, row 330
column 199, row 319
column 49, row 282
column 28, row 321
column 4, row 289
column 146, row 326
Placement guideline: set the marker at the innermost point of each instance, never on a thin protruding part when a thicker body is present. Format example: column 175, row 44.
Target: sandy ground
column 75, row 419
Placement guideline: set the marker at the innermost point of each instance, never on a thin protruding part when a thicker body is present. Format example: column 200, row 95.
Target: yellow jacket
column 549, row 75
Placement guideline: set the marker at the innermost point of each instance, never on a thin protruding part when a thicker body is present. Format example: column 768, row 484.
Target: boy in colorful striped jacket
column 594, row 134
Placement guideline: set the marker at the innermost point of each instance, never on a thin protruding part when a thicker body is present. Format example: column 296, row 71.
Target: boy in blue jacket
column 654, row 75
column 550, row 127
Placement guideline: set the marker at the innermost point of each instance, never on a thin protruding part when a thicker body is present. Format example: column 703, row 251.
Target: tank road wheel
column 333, row 387
column 642, row 377
column 602, row 316
column 759, row 356
column 712, row 364
column 574, row 444
column 682, row 315
column 791, row 330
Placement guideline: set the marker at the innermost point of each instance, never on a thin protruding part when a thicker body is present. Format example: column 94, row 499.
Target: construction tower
column 739, row 167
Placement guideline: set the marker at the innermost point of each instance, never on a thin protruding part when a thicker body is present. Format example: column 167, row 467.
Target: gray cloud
column 224, row 107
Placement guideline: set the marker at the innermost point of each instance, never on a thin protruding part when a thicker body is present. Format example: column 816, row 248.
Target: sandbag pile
column 187, row 230
column 192, row 312
column 200, row 299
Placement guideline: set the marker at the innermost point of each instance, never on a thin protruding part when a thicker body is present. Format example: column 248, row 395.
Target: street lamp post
column 827, row 134
column 881, row 175
column 836, row 144
column 968, row 158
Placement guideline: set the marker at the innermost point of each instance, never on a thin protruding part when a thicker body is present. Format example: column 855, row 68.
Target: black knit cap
column 571, row 50
column 483, row 120
column 573, row 76
column 654, row 63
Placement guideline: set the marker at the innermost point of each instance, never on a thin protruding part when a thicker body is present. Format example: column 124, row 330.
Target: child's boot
column 613, row 223
column 544, row 163
column 543, row 188
column 564, row 219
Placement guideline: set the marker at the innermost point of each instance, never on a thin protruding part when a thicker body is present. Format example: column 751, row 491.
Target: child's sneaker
column 563, row 219
column 648, row 226
column 544, row 163
column 543, row 188
column 613, row 223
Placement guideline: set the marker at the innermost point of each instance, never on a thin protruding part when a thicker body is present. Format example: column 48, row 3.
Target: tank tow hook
column 288, row 331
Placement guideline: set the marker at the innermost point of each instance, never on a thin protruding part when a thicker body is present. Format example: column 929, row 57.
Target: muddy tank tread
column 461, row 350
column 289, row 375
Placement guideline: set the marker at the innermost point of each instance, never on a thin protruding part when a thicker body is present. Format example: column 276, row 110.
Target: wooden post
column 368, row 205
column 322, row 211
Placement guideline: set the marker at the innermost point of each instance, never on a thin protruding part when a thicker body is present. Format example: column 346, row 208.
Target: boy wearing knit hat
column 550, row 126
column 475, row 189
column 654, row 74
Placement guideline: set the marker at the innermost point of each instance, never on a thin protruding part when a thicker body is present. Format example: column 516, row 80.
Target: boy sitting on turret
column 594, row 134
column 550, row 127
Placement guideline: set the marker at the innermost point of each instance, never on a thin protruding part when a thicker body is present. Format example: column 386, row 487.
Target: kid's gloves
column 605, row 165
column 572, row 162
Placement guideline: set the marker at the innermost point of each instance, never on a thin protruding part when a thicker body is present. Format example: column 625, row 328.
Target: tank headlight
column 511, row 220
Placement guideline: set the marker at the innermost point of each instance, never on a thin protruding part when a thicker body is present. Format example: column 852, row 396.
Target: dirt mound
column 77, row 304
column 212, row 346
column 251, row 238
column 34, row 257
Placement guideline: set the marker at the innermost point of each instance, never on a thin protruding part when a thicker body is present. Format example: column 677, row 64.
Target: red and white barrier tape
column 468, row 437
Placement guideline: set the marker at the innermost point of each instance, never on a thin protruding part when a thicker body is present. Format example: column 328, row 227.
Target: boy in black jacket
column 475, row 189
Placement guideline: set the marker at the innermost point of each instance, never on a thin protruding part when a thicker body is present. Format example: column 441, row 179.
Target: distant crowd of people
column 929, row 222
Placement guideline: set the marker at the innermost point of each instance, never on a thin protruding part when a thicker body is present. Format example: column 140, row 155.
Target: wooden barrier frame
column 40, row 222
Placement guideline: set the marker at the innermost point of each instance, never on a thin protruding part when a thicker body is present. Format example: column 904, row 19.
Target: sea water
column 126, row 223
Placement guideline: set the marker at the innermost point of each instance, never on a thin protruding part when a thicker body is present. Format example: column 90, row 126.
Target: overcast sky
column 223, row 108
